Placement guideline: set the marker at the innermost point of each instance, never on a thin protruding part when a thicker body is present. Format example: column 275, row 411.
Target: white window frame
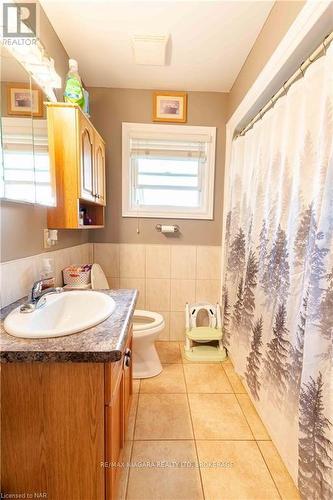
column 168, row 212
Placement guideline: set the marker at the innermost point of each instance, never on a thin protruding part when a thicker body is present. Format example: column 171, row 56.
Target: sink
column 63, row 314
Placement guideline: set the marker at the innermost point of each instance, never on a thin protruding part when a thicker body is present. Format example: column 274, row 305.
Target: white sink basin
column 62, row 314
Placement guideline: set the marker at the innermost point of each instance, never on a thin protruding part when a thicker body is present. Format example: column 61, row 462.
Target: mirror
column 26, row 174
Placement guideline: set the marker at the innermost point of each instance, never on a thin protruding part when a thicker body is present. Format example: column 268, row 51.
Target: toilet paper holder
column 163, row 228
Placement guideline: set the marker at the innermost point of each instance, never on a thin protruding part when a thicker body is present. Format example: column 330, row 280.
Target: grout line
column 246, row 420
column 195, row 443
column 269, row 471
column 201, row 439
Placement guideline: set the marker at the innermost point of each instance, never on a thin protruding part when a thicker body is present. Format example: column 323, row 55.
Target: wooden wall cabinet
column 77, row 152
column 63, row 426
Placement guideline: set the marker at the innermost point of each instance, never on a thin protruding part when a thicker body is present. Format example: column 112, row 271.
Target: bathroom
column 166, row 250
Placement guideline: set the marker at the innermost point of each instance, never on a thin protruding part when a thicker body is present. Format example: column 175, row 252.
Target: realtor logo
column 19, row 20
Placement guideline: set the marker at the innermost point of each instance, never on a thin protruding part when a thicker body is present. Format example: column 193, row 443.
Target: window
column 168, row 171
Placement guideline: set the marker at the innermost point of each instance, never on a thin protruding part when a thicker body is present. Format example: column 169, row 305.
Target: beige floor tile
column 281, row 476
column 164, row 483
column 136, row 386
column 132, row 417
column 252, row 417
column 218, row 416
column 169, row 352
column 234, row 379
column 206, row 378
column 163, row 416
column 124, row 472
column 171, row 381
column 247, row 477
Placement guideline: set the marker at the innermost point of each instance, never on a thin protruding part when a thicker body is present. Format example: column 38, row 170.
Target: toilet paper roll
column 168, row 229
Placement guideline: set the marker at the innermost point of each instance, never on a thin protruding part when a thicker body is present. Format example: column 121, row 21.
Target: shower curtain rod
column 283, row 90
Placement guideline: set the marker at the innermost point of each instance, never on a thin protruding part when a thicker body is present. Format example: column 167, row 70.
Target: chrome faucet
column 37, row 297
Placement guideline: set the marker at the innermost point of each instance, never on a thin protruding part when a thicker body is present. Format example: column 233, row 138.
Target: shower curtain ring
column 325, row 44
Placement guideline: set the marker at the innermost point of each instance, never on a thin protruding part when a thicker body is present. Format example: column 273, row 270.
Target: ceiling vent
column 150, row 49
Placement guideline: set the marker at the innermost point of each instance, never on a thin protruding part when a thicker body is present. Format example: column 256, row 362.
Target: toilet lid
column 98, row 279
column 145, row 320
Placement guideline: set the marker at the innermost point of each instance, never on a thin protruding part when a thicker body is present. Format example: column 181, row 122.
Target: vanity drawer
column 112, row 379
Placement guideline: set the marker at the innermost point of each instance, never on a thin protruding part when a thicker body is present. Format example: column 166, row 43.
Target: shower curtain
column 278, row 273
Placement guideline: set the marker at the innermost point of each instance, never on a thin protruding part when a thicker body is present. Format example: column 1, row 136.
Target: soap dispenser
column 47, row 273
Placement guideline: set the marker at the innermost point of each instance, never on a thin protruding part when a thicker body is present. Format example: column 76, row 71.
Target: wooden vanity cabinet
column 63, row 427
column 77, row 152
column 118, row 397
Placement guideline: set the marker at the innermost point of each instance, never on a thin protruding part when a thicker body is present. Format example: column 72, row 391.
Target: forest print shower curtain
column 278, row 277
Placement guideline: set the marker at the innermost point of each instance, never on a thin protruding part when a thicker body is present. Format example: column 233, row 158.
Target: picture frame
column 169, row 106
column 24, row 100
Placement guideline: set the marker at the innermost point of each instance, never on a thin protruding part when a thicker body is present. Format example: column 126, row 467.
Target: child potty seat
column 204, row 334
column 211, row 311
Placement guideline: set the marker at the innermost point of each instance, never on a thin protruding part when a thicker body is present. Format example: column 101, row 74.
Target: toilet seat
column 146, row 362
column 156, row 320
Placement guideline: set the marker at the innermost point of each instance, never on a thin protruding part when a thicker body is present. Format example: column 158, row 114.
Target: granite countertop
column 102, row 343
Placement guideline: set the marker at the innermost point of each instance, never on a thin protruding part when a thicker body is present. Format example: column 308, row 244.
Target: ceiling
column 209, row 42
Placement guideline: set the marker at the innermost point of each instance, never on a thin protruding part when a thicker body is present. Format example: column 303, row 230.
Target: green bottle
column 73, row 89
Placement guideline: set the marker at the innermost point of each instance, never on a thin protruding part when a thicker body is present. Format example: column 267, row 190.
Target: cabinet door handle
column 127, row 361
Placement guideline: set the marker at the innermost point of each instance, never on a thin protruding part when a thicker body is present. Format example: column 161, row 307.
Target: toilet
column 146, row 327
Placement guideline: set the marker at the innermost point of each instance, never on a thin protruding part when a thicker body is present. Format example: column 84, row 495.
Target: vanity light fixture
column 39, row 65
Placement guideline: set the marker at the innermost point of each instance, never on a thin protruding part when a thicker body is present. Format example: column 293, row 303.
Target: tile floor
column 194, row 414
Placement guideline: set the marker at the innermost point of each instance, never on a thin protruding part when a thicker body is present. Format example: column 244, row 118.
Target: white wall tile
column 208, row 262
column 207, row 291
column 183, row 262
column 158, row 294
column 140, row 285
column 165, row 333
column 107, row 256
column 158, row 261
column 17, row 276
column 177, row 325
column 132, row 261
column 182, row 291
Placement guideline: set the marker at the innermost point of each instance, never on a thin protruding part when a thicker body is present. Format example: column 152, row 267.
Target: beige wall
column 22, row 224
column 280, row 19
column 111, row 107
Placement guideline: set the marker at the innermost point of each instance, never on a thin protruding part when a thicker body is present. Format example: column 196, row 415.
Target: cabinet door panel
column 87, row 160
column 100, row 171
column 113, row 440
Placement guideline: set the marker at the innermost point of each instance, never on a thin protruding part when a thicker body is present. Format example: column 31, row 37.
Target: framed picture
column 23, row 101
column 170, row 107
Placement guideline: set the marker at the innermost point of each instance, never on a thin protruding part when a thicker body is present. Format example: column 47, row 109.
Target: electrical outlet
column 47, row 241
